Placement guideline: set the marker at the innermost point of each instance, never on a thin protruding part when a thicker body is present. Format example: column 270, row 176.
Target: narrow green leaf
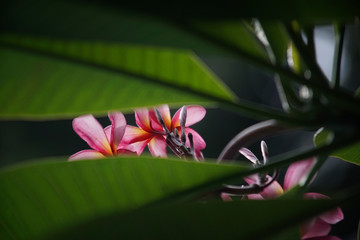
column 98, row 77
column 276, row 35
column 212, row 220
column 49, row 196
column 237, row 34
column 350, row 154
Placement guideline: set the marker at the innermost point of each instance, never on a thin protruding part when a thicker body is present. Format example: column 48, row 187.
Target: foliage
column 61, row 59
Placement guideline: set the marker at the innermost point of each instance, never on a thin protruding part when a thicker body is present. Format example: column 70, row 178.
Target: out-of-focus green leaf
column 357, row 93
column 98, row 77
column 278, row 39
column 212, row 220
column 305, row 11
column 96, row 21
column 350, row 154
column 236, row 34
column 49, row 196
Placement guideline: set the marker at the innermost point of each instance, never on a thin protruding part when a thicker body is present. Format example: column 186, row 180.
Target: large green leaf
column 321, row 11
column 98, row 22
column 212, row 220
column 350, row 154
column 49, row 196
column 105, row 77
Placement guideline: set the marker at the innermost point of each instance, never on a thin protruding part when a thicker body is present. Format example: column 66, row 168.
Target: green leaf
column 212, row 220
column 235, row 34
column 97, row 22
column 350, row 154
column 277, row 37
column 357, row 93
column 309, row 11
column 49, row 196
column 67, row 78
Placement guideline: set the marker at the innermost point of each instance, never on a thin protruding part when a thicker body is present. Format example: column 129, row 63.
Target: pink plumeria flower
column 297, row 173
column 104, row 142
column 150, row 132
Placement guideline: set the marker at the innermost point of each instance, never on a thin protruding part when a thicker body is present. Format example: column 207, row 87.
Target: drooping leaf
column 212, row 220
column 350, row 154
column 278, row 39
column 96, row 21
column 305, row 11
column 235, row 34
column 49, row 196
column 67, row 78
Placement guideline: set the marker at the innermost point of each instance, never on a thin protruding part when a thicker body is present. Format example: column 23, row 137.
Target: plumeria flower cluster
column 297, row 173
column 156, row 129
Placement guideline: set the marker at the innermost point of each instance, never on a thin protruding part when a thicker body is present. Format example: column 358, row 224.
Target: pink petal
column 195, row 114
column 90, row 130
column 272, row 191
column 126, row 152
column 108, row 133
column 137, row 147
column 255, row 197
column 313, row 195
column 251, row 179
column 318, row 229
column 225, row 197
column 142, row 118
column 199, row 143
column 332, row 216
column 86, row 154
column 118, row 126
column 249, row 155
column 165, row 113
column 324, row 238
column 134, row 134
column 297, row 172
column 157, row 146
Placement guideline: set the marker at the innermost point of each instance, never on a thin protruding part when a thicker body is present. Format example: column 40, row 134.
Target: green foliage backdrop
column 61, row 59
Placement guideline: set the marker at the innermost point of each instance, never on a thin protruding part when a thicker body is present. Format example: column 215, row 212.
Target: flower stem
column 339, row 41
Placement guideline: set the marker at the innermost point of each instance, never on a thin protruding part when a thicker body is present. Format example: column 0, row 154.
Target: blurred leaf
column 350, row 154
column 298, row 63
column 97, row 21
column 277, row 38
column 213, row 220
column 306, row 10
column 98, row 77
column 235, row 34
column 44, row 197
column 357, row 93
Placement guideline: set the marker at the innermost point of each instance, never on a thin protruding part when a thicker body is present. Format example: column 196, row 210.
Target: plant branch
column 250, row 135
column 308, row 55
column 339, row 41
